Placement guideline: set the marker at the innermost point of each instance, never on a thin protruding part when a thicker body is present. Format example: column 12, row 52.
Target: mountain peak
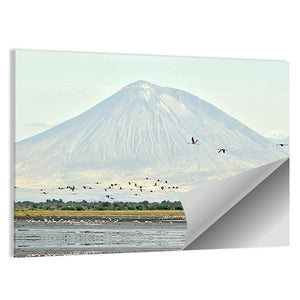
column 140, row 84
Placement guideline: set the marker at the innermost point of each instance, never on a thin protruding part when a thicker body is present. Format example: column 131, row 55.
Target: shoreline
column 111, row 213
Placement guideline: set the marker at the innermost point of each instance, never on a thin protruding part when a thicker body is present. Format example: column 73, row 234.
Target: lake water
column 97, row 235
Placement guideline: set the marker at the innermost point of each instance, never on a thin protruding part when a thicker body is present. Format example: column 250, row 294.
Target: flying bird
column 222, row 150
column 193, row 142
column 281, row 145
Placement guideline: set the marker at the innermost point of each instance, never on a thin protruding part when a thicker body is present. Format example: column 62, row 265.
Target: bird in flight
column 281, row 145
column 193, row 142
column 222, row 150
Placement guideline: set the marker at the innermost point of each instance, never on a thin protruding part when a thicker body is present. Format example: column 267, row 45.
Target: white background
column 235, row 29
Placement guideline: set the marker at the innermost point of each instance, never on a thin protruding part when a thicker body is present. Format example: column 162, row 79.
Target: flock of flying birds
column 113, row 189
column 138, row 188
column 195, row 142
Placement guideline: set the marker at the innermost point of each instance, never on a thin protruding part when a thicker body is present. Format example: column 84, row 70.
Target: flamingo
column 222, row 150
column 193, row 142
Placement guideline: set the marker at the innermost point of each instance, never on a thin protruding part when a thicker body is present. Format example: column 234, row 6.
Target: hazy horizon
column 53, row 87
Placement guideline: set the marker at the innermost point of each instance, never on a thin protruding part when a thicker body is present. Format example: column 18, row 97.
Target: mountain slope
column 142, row 130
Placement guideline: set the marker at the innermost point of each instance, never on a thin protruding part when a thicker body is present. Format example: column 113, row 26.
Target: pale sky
column 52, row 87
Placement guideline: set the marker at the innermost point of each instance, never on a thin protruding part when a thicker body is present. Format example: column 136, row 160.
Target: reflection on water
column 67, row 237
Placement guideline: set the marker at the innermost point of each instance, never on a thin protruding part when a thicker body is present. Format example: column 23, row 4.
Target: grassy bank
column 74, row 213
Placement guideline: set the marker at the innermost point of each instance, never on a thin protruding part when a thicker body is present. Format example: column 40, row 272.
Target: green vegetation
column 60, row 205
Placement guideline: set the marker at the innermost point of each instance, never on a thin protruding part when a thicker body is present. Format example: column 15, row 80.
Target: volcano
column 141, row 131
